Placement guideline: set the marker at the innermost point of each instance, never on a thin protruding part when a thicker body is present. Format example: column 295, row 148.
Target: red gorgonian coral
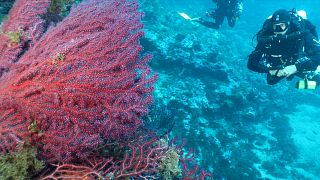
column 72, row 86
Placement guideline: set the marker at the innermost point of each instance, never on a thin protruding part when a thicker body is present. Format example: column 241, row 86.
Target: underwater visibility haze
column 142, row 89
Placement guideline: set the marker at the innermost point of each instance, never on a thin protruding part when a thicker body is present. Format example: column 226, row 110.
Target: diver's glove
column 305, row 64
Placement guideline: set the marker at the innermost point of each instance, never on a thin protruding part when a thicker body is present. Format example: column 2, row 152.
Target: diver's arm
column 312, row 28
column 255, row 62
column 312, row 59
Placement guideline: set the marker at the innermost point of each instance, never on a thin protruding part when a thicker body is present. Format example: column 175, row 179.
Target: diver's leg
column 271, row 80
column 231, row 20
column 208, row 24
column 219, row 19
column 217, row 16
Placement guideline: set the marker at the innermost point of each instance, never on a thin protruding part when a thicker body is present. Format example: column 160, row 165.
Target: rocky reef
column 240, row 127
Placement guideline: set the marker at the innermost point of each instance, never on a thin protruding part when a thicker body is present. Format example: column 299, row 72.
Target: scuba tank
column 309, row 81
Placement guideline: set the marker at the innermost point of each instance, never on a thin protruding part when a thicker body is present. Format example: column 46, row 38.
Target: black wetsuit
column 225, row 8
column 284, row 51
column 311, row 28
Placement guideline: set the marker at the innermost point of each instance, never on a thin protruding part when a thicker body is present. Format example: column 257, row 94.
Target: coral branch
column 25, row 22
column 84, row 81
column 141, row 161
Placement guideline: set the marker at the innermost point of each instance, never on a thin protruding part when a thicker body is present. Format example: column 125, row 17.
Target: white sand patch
column 306, row 134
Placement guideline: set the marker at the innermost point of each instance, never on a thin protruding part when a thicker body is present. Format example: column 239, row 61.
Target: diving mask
column 280, row 28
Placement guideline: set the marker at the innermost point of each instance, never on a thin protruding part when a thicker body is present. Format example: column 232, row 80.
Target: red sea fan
column 23, row 21
column 141, row 161
column 83, row 82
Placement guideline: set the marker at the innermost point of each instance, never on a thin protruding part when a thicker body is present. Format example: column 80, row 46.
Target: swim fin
column 187, row 17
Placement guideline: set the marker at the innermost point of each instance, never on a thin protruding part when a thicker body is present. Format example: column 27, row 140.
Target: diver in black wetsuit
column 231, row 9
column 287, row 47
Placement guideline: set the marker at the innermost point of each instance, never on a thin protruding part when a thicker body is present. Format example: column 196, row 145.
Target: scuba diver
column 287, row 47
column 231, row 9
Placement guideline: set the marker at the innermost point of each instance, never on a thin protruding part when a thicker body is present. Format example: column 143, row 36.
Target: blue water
column 240, row 127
